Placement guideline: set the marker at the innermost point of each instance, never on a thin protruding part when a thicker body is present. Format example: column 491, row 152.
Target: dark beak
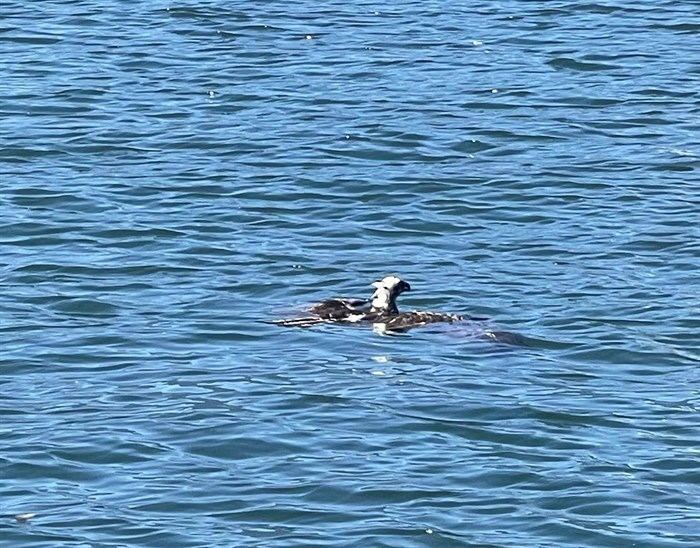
column 403, row 286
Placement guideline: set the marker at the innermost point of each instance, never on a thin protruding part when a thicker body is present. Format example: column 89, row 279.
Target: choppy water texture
column 173, row 174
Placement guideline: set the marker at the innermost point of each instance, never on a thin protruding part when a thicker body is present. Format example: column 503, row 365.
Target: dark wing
column 310, row 321
column 339, row 308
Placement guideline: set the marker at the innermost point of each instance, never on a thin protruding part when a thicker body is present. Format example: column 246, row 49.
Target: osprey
column 382, row 304
column 381, row 311
column 386, row 316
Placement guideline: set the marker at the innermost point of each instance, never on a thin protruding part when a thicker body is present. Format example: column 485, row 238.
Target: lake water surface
column 174, row 174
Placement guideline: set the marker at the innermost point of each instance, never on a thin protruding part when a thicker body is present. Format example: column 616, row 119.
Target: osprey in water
column 381, row 304
column 381, row 311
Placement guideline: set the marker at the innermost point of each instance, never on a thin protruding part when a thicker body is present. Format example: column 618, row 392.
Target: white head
column 387, row 290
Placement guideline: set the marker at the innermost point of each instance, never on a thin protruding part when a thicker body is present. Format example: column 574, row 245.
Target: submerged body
column 409, row 320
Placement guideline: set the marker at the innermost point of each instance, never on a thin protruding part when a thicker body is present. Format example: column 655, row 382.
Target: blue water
column 174, row 175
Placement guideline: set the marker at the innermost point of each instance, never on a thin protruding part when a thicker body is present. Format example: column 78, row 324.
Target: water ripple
column 175, row 175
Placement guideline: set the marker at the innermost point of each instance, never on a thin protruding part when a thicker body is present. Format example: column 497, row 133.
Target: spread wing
column 298, row 322
column 339, row 308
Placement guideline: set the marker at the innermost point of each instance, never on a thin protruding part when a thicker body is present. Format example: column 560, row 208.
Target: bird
column 385, row 313
column 382, row 304
column 382, row 312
